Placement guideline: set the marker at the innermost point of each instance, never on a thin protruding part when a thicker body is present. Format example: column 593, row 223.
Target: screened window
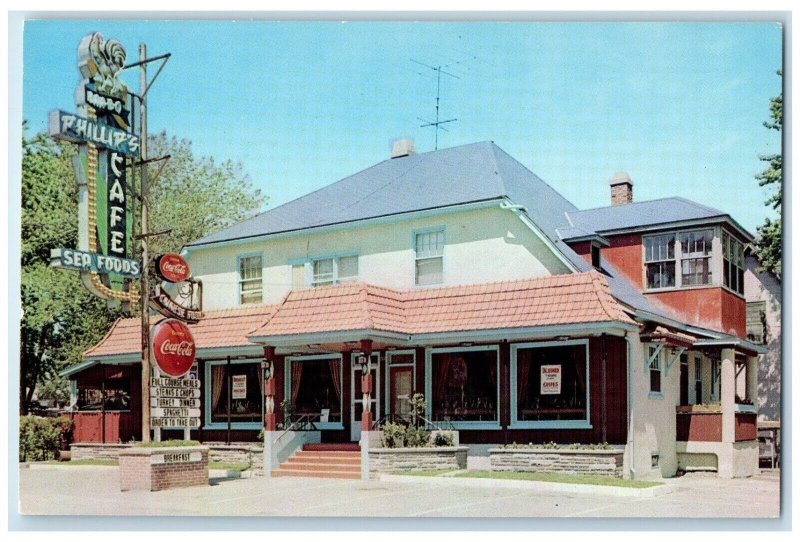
column 327, row 271
column 757, row 321
column 716, row 372
column 250, row 285
column 552, row 383
column 114, row 394
column 236, row 389
column 464, row 385
column 655, row 369
column 316, row 386
column 696, row 257
column 732, row 263
column 429, row 263
column 659, row 256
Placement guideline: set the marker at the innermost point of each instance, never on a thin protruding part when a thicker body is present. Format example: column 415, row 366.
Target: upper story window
column 250, row 286
column 429, row 264
column 756, row 322
column 596, row 256
column 659, row 257
column 325, row 271
column 732, row 263
column 691, row 250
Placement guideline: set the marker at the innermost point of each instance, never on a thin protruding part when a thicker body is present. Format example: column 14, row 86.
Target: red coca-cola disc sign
column 173, row 347
column 172, row 267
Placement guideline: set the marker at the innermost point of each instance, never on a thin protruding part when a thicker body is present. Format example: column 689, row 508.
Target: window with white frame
column 695, row 255
column 659, row 257
column 551, row 382
column 250, row 285
column 655, row 369
column 679, row 259
column 314, row 386
column 716, row 372
column 429, row 257
column 327, row 271
column 698, row 379
column 732, row 263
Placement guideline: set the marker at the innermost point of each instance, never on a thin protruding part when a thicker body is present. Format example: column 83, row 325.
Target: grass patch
column 433, row 472
column 166, row 443
column 221, row 465
column 89, row 462
column 559, row 478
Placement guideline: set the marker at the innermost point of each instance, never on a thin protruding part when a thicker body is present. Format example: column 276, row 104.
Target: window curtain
column 217, row 385
column 297, row 373
column 578, row 360
column 335, row 365
column 441, row 371
column 523, row 373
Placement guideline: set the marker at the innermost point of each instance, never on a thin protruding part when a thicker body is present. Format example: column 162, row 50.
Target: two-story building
column 465, row 277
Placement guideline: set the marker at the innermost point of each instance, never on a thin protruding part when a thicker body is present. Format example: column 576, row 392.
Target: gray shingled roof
column 641, row 214
column 456, row 176
column 459, row 175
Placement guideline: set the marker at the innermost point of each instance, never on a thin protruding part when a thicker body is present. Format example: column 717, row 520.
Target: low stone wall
column 388, row 460
column 96, row 451
column 245, row 452
column 566, row 461
column 156, row 469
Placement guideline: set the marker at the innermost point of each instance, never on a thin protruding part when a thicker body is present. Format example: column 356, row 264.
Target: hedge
column 40, row 439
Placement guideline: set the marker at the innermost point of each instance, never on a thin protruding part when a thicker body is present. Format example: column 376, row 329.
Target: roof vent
column 403, row 147
column 621, row 188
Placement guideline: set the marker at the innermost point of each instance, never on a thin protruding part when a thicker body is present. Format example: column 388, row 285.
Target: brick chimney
column 621, row 188
column 402, row 147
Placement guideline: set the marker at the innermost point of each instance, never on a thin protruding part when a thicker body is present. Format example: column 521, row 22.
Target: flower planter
column 155, row 469
column 388, row 460
column 558, row 460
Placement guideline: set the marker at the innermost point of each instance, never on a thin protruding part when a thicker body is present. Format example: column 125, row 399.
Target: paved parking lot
column 60, row 490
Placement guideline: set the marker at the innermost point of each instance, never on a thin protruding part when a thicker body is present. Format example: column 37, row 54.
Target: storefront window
column 464, row 385
column 316, row 388
column 117, row 396
column 551, row 382
column 242, row 383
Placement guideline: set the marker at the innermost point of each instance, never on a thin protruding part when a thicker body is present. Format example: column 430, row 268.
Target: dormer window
column 676, row 260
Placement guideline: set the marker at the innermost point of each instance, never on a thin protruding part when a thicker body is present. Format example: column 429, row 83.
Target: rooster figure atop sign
column 100, row 60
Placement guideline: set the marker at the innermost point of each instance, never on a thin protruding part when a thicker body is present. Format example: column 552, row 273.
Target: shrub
column 166, row 443
column 394, row 435
column 444, row 439
column 41, row 439
column 417, row 437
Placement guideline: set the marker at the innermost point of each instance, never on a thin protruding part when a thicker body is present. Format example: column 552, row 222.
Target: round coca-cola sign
column 172, row 267
column 173, row 347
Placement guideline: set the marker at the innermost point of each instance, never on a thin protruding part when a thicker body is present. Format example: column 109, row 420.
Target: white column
column 728, row 395
column 751, row 377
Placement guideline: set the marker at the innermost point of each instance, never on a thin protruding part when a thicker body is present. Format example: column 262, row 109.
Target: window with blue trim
column 464, row 385
column 250, row 285
column 551, row 383
column 237, row 385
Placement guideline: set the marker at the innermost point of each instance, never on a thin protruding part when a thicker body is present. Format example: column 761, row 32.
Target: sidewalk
column 59, row 490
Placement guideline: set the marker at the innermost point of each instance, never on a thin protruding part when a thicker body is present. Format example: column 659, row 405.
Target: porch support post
column 751, row 377
column 269, row 388
column 366, row 386
column 728, row 395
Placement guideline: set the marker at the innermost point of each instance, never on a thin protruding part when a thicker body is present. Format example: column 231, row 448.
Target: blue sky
column 679, row 106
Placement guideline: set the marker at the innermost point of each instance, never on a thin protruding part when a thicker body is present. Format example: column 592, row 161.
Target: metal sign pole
column 145, row 286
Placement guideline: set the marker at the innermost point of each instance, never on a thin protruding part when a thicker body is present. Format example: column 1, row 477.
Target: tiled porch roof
column 220, row 328
column 561, row 299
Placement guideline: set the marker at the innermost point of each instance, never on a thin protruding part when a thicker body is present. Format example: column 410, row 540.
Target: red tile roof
column 560, row 299
column 221, row 328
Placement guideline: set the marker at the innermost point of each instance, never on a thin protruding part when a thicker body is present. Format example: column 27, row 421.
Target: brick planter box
column 388, row 460
column 155, row 469
column 565, row 461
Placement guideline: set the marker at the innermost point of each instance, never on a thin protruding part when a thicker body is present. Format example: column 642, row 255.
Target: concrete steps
column 323, row 461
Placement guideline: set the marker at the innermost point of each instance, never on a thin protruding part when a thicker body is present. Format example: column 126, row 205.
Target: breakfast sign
column 106, row 143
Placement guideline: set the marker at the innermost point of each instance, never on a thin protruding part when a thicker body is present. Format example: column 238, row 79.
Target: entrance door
column 401, row 384
column 356, row 397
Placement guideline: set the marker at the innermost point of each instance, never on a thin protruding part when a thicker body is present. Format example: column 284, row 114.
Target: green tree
column 61, row 319
column 769, row 244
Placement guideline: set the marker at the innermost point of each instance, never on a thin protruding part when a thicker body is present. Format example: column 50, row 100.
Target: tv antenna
column 437, row 124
